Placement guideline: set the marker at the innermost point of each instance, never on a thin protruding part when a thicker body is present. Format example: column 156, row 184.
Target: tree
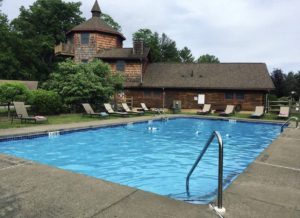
column 111, row 22
column 84, row 82
column 292, row 85
column 40, row 28
column 162, row 48
column 169, row 50
column 152, row 41
column 9, row 63
column 279, row 78
column 208, row 59
column 186, row 55
column 10, row 92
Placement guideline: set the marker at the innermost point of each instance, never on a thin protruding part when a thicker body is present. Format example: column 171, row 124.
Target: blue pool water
column 153, row 156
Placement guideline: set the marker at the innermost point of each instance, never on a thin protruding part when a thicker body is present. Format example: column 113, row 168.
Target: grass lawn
column 247, row 116
column 76, row 118
column 58, row 119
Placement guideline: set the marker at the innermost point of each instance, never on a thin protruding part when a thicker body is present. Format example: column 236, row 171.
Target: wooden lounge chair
column 153, row 110
column 109, row 110
column 229, row 110
column 21, row 113
column 284, row 112
column 259, row 112
column 206, row 109
column 89, row 111
column 129, row 111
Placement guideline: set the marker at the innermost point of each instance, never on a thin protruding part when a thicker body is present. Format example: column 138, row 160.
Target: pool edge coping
column 85, row 126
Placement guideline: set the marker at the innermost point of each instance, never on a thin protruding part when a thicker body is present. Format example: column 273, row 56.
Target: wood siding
column 97, row 42
column 154, row 98
column 133, row 70
column 105, row 41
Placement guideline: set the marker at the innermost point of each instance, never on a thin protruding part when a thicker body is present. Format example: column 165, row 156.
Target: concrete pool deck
column 269, row 187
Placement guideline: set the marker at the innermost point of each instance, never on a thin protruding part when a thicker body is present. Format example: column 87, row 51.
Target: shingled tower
column 95, row 39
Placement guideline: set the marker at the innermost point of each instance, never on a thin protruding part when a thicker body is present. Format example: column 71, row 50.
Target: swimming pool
column 153, row 156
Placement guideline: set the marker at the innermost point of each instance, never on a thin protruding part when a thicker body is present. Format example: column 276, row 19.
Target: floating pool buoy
column 152, row 129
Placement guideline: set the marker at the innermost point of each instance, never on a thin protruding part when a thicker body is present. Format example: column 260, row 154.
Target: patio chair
column 21, row 113
column 228, row 111
column 153, row 110
column 129, row 111
column 109, row 110
column 89, row 111
column 206, row 109
column 284, row 112
column 259, row 112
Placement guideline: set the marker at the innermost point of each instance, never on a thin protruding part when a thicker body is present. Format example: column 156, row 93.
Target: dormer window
column 85, row 38
column 120, row 66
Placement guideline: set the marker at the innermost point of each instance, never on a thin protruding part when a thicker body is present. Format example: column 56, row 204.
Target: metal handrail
column 220, row 174
column 291, row 118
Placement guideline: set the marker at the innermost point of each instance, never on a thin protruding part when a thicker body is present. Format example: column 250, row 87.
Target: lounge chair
column 109, row 110
column 154, row 110
column 21, row 113
column 284, row 112
column 89, row 111
column 206, row 109
column 229, row 110
column 129, row 111
column 259, row 112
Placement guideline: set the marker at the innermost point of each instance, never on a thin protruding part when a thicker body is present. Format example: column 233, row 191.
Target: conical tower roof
column 96, row 11
column 96, row 24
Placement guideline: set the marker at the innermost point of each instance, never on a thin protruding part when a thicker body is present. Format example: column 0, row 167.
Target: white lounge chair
column 109, row 110
column 154, row 110
column 284, row 112
column 89, row 111
column 259, row 112
column 128, row 110
column 206, row 109
column 228, row 111
column 21, row 113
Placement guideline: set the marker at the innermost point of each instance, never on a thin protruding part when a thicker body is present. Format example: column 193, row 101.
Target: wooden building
column 160, row 84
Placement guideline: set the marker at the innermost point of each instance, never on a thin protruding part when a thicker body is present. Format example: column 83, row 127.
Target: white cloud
column 233, row 30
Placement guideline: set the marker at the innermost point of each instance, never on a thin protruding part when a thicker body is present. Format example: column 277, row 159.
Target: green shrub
column 45, row 102
column 13, row 91
column 272, row 97
column 79, row 83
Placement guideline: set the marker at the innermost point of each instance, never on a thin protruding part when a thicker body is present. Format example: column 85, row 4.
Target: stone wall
column 154, row 98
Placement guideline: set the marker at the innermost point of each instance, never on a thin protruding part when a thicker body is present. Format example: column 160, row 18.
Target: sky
column 265, row 31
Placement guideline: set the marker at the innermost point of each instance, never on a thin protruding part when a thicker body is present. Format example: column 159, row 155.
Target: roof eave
column 201, row 88
column 97, row 31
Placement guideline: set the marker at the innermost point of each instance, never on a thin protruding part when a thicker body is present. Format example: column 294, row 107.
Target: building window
column 85, row 38
column 84, row 61
column 147, row 93
column 120, row 66
column 240, row 96
column 229, row 96
column 157, row 93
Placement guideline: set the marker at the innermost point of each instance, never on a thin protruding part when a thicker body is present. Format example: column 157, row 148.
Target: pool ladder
column 219, row 209
column 288, row 121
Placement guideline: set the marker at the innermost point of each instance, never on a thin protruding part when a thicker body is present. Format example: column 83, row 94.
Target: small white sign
column 201, row 99
column 196, row 98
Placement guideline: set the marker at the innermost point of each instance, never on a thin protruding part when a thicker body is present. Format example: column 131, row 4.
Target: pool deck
column 269, row 187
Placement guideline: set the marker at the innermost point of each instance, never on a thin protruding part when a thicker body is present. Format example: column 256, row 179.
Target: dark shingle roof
column 122, row 53
column 239, row 76
column 96, row 24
